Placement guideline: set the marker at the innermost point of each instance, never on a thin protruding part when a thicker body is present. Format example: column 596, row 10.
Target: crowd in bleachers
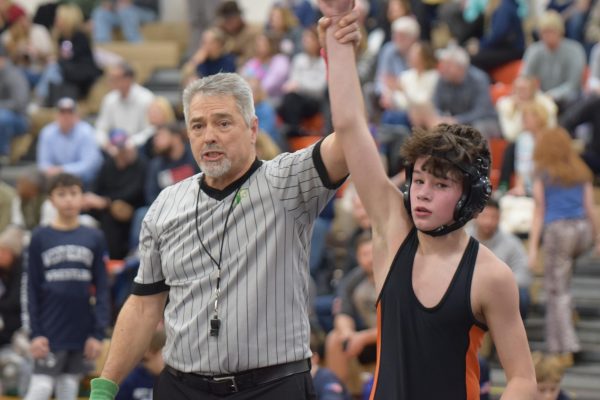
column 526, row 73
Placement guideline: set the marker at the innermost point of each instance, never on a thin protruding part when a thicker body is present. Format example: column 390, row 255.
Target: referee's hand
column 103, row 389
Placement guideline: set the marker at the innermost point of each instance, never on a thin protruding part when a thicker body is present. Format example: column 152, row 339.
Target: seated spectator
column 557, row 62
column 265, row 112
column 29, row 203
column 7, row 200
column 8, row 10
column 29, row 46
column 74, row 71
column 506, row 246
column 327, row 384
column 125, row 107
column 211, row 57
column 574, row 14
column 461, row 95
column 283, row 25
column 240, row 36
column 414, row 87
column 503, row 40
column 593, row 81
column 11, row 247
column 518, row 156
column 160, row 112
column 548, row 373
column 268, row 65
column 116, row 192
column 525, row 89
column 354, row 334
column 14, row 97
column 305, row 88
column 139, row 383
column 68, row 145
column 127, row 15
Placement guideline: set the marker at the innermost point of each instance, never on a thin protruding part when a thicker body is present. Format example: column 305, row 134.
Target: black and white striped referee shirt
column 263, row 305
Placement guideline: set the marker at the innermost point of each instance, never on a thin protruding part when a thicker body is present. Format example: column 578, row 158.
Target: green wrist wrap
column 103, row 389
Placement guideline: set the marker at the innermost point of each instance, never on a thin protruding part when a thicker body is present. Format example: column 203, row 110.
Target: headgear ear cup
column 406, row 188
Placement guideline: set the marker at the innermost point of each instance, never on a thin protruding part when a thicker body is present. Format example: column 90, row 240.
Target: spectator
column 160, row 112
column 555, row 61
column 565, row 223
column 574, row 14
column 124, row 14
column 117, row 191
column 265, row 112
column 68, row 145
column 8, row 11
column 506, row 246
column 283, row 25
column 305, row 88
column 7, row 200
column 29, row 203
column 211, row 57
column 586, row 111
column 593, row 81
column 201, row 15
column 125, row 107
column 29, row 45
column 503, row 40
column 549, row 373
column 354, row 334
column 65, row 266
column 268, row 65
column 74, row 70
column 240, row 36
column 525, row 89
column 139, row 383
column 327, row 384
column 462, row 95
column 592, row 26
column 14, row 97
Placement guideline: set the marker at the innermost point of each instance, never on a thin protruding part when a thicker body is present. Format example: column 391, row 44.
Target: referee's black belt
column 227, row 384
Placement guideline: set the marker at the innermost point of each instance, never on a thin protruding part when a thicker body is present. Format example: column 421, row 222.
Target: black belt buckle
column 232, row 386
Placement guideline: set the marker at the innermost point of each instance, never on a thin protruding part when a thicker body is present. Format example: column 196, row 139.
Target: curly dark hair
column 448, row 146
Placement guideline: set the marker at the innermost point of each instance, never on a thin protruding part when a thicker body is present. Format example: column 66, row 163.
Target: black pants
column 294, row 387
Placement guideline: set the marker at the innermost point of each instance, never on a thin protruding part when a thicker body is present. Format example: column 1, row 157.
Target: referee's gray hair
column 222, row 84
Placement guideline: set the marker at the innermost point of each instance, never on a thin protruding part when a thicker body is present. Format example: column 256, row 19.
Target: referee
column 229, row 249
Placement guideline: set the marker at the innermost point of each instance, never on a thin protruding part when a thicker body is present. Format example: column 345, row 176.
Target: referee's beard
column 216, row 169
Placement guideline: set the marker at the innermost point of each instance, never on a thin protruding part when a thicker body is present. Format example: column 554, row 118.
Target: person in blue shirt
column 68, row 145
column 139, row 383
column 67, row 295
column 327, row 385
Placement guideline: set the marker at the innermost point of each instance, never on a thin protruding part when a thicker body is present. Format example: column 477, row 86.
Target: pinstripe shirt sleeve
column 300, row 179
column 150, row 278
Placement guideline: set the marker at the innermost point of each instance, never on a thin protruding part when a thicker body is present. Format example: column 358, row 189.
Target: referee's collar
column 221, row 194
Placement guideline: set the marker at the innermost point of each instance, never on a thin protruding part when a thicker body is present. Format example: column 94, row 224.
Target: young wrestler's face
column 221, row 141
column 433, row 199
column 67, row 200
column 547, row 390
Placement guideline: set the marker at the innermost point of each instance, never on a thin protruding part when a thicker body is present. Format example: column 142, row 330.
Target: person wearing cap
column 14, row 97
column 68, row 145
column 29, row 45
column 240, row 36
column 557, row 62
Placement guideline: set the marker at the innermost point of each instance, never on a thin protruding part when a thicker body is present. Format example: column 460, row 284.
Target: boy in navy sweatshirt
column 68, row 295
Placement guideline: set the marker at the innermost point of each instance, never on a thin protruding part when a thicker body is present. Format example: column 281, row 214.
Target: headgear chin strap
column 477, row 190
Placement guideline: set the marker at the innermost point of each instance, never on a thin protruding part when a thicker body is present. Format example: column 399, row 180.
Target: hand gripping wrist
column 103, row 389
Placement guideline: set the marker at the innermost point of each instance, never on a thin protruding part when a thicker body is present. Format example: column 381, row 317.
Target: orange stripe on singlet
column 374, row 387
column 472, row 364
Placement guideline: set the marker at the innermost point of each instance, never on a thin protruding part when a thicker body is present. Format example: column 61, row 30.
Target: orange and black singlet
column 427, row 353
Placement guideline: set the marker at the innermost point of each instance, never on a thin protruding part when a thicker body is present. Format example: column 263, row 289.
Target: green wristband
column 103, row 389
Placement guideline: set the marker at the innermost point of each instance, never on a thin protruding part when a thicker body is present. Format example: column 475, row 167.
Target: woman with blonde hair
column 74, row 70
column 564, row 220
column 283, row 25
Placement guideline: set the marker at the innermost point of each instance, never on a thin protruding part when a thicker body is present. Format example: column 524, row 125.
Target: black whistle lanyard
column 215, row 322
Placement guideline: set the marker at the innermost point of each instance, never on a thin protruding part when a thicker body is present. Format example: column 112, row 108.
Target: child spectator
column 327, row 385
column 67, row 294
column 548, row 373
column 139, row 383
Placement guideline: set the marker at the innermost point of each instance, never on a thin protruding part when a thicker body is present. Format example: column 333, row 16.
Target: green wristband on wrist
column 103, row 389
